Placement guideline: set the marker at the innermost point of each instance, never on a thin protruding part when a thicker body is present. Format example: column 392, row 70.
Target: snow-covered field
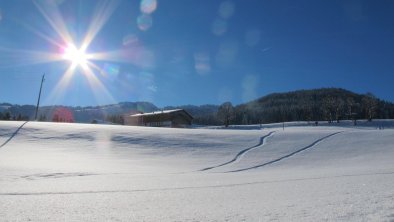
column 83, row 172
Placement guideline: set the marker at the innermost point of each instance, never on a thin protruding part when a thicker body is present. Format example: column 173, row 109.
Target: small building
column 165, row 118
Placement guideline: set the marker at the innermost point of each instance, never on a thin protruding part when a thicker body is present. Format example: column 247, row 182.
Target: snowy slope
column 83, row 172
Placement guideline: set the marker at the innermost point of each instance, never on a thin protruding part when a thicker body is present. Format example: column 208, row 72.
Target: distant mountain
column 88, row 114
column 16, row 111
column 76, row 114
column 331, row 104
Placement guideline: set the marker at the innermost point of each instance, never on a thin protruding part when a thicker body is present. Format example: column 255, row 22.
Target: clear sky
column 174, row 52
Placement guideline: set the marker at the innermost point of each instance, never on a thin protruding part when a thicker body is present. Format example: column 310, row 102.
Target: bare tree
column 350, row 103
column 339, row 107
column 370, row 104
column 351, row 108
column 329, row 108
column 226, row 113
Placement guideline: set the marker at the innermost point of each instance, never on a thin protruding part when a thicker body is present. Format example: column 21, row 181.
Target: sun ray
column 94, row 66
column 99, row 90
column 102, row 13
column 55, row 18
column 40, row 34
column 26, row 57
column 138, row 56
column 60, row 88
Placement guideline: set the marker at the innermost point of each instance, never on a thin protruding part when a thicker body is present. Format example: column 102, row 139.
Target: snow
column 157, row 112
column 87, row 172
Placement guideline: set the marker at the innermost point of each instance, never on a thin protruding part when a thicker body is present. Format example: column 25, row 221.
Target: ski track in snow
column 286, row 156
column 194, row 187
column 242, row 152
column 56, row 175
column 13, row 135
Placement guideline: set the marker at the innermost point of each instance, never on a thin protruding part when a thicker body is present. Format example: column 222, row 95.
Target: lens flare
column 219, row 27
column 148, row 6
column 202, row 63
column 249, row 87
column 144, row 22
column 63, row 114
column 226, row 9
column 130, row 40
column 110, row 71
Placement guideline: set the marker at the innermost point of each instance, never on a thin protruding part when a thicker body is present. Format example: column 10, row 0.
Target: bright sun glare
column 76, row 56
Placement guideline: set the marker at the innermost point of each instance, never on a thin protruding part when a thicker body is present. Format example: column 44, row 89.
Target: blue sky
column 193, row 52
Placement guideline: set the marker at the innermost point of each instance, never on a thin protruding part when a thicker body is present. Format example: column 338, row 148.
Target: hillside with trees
column 329, row 104
column 326, row 104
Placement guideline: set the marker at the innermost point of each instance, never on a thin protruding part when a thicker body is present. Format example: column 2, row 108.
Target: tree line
column 18, row 117
column 331, row 105
column 328, row 104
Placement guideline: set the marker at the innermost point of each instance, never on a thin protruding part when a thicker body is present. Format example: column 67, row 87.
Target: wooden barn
column 166, row 118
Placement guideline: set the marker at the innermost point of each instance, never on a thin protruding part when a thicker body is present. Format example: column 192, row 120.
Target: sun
column 75, row 55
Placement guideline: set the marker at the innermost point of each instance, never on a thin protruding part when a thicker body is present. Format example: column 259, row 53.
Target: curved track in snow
column 242, row 152
column 286, row 156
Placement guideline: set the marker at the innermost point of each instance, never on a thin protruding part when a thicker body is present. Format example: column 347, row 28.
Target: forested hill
column 329, row 104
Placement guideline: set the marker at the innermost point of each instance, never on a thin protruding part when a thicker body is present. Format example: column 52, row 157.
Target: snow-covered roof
column 158, row 112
